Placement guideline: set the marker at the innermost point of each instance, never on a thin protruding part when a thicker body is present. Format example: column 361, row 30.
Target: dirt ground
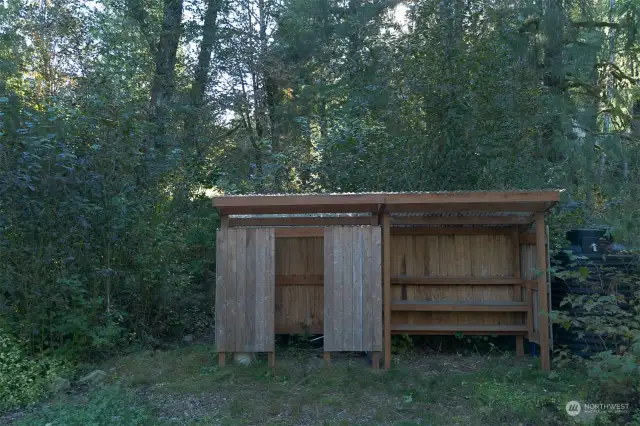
column 185, row 386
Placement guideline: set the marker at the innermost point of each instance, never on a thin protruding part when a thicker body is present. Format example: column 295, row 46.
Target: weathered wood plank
column 353, row 287
column 368, row 293
column 221, row 274
column 449, row 230
column 386, row 241
column 271, row 359
column 329, row 304
column 515, row 268
column 261, row 279
column 487, row 328
column 375, row 288
column 300, row 221
column 330, row 290
column 241, row 289
column 357, row 287
column 442, row 280
column 462, row 220
column 245, row 291
column 455, row 306
column 253, row 315
column 262, row 307
column 270, row 289
column 454, row 332
column 346, row 237
column 230, row 290
column 519, row 346
column 338, row 298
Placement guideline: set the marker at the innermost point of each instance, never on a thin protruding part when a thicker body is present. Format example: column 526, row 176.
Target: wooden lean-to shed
column 358, row 268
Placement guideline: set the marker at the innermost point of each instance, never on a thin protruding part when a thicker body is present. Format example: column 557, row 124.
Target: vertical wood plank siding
column 245, row 290
column 353, row 288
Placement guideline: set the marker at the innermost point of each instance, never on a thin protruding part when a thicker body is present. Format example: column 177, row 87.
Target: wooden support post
column 386, row 269
column 530, row 313
column 375, row 360
column 327, row 359
column 519, row 345
column 272, row 360
column 517, row 289
column 543, row 309
column 224, row 222
column 515, row 241
column 221, row 358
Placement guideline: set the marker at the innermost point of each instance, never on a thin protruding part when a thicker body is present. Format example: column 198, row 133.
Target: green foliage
column 401, row 343
column 102, row 256
column 111, row 405
column 24, row 379
column 616, row 318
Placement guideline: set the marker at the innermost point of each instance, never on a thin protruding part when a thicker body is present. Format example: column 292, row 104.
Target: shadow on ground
column 185, row 386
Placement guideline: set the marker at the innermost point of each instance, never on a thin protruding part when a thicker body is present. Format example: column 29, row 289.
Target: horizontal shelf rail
column 318, row 279
column 459, row 328
column 449, row 306
column 433, row 280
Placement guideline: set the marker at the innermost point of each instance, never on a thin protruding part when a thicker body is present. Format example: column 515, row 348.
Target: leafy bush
column 23, row 379
column 615, row 371
column 94, row 253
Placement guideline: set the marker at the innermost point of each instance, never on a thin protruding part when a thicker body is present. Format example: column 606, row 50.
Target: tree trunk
column 554, row 79
column 269, row 83
column 201, row 75
column 163, row 84
column 607, row 116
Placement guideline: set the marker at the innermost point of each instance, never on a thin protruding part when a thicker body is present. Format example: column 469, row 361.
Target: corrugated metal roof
column 279, row 216
column 391, row 202
column 510, row 191
column 459, row 214
column 417, row 214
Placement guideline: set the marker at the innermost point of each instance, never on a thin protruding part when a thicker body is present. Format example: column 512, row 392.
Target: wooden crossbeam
column 466, row 333
column 462, row 220
column 317, row 231
column 318, row 279
column 300, row 221
column 458, row 328
column 437, row 306
column 449, row 230
column 403, row 280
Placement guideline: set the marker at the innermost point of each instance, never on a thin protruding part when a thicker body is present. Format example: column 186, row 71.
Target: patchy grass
column 110, row 405
column 185, row 386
